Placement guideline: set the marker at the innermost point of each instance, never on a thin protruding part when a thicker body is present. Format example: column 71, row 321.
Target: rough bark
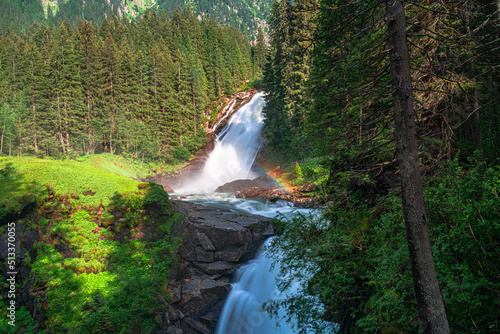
column 429, row 299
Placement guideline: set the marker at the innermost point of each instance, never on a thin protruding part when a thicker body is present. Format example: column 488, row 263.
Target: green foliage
column 15, row 190
column 356, row 261
column 463, row 211
column 97, row 284
column 129, row 167
column 181, row 153
column 150, row 196
column 284, row 81
column 252, row 84
column 157, row 198
column 23, row 319
column 295, row 175
column 243, row 15
column 315, row 170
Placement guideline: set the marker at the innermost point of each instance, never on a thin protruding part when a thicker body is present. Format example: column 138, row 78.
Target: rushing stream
column 232, row 159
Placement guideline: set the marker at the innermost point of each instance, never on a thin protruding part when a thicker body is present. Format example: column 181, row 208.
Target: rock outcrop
column 216, row 243
column 272, row 195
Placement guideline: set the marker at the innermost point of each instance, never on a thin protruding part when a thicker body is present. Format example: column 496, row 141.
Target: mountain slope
column 245, row 15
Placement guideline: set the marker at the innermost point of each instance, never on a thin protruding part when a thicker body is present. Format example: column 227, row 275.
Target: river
column 232, row 159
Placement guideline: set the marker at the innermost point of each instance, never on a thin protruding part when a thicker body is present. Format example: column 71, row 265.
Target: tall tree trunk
column 14, row 77
column 33, row 102
column 475, row 96
column 87, row 124
column 111, row 150
column 180, row 105
column 68, row 146
column 429, row 299
column 346, row 98
column 194, row 108
column 3, row 131
column 60, row 124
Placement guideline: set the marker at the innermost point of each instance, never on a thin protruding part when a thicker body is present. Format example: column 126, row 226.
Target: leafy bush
column 464, row 213
column 90, row 279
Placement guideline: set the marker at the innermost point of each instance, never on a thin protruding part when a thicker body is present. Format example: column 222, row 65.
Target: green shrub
column 357, row 263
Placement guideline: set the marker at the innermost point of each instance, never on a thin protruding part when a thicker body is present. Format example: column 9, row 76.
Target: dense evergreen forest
column 138, row 88
column 332, row 82
column 21, row 14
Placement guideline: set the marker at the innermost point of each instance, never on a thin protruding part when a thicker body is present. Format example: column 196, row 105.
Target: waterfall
column 255, row 284
column 235, row 149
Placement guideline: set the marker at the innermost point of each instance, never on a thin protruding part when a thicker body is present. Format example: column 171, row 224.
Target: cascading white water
column 255, row 284
column 234, row 152
column 232, row 159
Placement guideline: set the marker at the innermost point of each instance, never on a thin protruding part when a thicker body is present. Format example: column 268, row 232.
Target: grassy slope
column 104, row 281
column 31, row 175
column 134, row 169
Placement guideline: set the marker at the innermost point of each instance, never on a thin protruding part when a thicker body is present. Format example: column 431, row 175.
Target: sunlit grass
column 90, row 184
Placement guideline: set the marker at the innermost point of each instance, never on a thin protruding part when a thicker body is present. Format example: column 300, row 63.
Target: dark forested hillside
column 20, row 14
column 143, row 88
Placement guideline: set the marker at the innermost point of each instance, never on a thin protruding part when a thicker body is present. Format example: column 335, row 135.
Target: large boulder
column 216, row 242
column 239, row 185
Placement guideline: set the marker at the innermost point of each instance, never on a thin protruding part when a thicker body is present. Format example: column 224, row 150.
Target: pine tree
column 259, row 53
column 109, row 92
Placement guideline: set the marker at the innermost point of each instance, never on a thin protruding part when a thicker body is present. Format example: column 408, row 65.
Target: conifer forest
column 354, row 144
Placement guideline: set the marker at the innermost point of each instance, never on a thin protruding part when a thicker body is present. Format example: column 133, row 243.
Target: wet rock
column 240, row 185
column 218, row 267
column 216, row 242
column 165, row 319
column 210, row 319
column 168, row 189
column 231, row 255
column 203, row 256
column 170, row 330
column 174, row 291
column 219, row 229
column 308, row 188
